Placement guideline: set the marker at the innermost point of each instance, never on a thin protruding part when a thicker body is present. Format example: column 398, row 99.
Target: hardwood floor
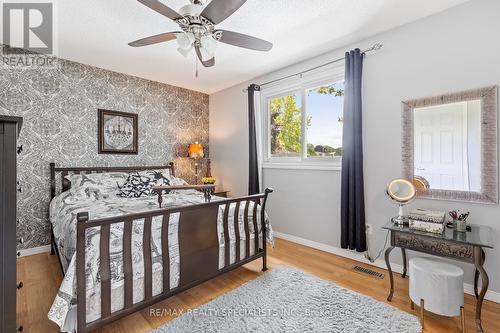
column 41, row 277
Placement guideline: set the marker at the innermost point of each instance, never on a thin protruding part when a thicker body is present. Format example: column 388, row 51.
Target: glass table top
column 479, row 235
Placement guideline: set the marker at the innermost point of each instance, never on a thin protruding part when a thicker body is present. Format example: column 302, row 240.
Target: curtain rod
column 375, row 47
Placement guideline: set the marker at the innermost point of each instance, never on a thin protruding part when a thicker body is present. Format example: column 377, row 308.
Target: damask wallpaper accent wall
column 59, row 107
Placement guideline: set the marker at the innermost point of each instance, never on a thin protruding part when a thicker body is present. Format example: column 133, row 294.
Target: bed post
column 52, row 180
column 52, row 195
column 263, row 228
column 81, row 292
column 172, row 170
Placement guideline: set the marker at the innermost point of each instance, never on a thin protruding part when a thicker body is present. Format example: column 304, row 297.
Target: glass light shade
column 195, row 150
column 208, row 47
column 185, row 52
column 185, row 40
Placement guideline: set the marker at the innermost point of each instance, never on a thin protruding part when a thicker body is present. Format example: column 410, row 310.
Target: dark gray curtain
column 253, row 166
column 352, row 213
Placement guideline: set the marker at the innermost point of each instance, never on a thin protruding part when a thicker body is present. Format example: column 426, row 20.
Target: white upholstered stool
column 438, row 287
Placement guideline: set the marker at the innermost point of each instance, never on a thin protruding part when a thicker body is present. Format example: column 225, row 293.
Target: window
column 325, row 106
column 286, row 125
column 305, row 124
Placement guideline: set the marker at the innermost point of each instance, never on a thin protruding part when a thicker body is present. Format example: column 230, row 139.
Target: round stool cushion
column 439, row 284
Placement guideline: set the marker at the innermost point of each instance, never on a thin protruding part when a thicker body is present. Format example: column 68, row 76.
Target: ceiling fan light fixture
column 208, row 47
column 205, row 55
column 185, row 52
column 185, row 40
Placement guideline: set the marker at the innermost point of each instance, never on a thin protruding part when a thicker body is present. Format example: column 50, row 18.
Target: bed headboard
column 65, row 184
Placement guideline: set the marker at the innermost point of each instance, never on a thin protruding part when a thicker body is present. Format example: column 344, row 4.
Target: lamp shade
column 185, row 40
column 208, row 47
column 195, row 150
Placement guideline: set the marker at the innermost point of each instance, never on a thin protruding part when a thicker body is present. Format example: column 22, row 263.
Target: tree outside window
column 324, row 115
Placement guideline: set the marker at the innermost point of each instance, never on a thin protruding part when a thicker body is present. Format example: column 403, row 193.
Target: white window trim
column 297, row 85
column 325, row 166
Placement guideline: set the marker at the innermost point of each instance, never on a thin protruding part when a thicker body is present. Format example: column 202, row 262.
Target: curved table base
column 479, row 257
column 391, row 278
column 403, row 253
column 476, row 274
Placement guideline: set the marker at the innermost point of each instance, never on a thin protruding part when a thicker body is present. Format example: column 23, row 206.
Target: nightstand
column 219, row 192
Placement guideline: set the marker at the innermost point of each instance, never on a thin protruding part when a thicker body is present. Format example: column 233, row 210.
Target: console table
column 462, row 246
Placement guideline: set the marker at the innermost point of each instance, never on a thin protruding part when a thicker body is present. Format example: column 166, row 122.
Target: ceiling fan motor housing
column 193, row 22
column 191, row 10
column 198, row 2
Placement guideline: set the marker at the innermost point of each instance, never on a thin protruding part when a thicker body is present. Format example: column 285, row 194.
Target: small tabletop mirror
column 400, row 191
column 450, row 145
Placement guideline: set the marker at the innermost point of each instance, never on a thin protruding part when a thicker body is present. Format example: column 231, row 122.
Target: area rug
column 288, row 300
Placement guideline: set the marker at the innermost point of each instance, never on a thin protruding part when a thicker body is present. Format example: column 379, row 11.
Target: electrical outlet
column 369, row 229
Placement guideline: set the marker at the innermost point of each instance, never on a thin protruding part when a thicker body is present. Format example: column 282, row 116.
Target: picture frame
column 117, row 132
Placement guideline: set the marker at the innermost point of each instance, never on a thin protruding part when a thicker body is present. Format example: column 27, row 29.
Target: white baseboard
column 34, row 250
column 468, row 288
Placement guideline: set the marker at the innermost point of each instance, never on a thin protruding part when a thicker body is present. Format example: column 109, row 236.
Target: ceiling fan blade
column 245, row 41
column 208, row 63
column 165, row 37
column 219, row 10
column 161, row 8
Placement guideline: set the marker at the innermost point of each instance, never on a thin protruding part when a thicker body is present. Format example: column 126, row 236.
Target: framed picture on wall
column 117, row 132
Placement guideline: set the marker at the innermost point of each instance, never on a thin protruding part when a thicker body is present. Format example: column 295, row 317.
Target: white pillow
column 104, row 180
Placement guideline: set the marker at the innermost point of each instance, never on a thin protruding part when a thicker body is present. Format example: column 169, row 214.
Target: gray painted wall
column 447, row 52
column 59, row 107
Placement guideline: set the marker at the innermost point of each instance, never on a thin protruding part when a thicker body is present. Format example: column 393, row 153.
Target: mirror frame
column 393, row 197
column 489, row 166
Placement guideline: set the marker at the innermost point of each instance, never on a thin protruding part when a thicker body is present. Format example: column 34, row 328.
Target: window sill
column 320, row 166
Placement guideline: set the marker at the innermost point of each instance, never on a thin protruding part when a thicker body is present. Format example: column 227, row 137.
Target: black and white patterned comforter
column 102, row 203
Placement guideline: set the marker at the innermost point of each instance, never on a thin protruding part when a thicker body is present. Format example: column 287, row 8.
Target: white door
column 440, row 145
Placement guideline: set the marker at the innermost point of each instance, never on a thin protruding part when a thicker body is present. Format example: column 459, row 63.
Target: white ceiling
column 96, row 32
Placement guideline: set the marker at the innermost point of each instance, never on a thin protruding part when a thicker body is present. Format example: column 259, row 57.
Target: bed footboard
column 198, row 249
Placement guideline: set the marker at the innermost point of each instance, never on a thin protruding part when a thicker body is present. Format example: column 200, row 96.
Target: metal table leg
column 476, row 275
column 478, row 262
column 391, row 278
column 403, row 252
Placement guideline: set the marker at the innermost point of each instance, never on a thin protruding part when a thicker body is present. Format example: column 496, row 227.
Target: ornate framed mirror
column 449, row 145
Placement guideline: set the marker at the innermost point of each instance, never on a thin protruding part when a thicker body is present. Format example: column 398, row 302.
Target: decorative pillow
column 164, row 175
column 158, row 177
column 136, row 186
column 142, row 183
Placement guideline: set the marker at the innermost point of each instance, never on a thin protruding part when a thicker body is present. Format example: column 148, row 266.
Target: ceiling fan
column 197, row 23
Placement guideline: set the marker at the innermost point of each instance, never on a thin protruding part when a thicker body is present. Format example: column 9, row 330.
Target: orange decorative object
column 421, row 183
column 196, row 150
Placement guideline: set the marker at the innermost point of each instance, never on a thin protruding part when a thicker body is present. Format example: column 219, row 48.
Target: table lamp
column 195, row 151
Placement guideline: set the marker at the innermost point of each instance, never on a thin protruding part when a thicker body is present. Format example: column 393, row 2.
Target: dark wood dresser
column 9, row 131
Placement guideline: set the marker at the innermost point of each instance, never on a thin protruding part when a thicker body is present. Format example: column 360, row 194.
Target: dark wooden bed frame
column 197, row 237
